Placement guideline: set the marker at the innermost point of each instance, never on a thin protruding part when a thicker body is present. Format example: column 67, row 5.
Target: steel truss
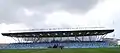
column 68, row 38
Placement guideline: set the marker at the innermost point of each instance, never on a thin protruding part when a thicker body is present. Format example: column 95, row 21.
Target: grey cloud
column 79, row 5
column 11, row 11
column 68, row 5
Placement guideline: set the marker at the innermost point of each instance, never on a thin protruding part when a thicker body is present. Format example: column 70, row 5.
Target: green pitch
column 80, row 50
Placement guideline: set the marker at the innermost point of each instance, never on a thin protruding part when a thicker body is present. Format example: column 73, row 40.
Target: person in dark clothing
column 60, row 46
column 55, row 46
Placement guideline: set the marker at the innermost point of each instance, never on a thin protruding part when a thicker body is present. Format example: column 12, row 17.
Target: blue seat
column 87, row 44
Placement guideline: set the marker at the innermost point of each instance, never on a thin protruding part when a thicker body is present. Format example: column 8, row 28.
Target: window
column 71, row 33
column 95, row 32
column 88, row 32
column 56, row 34
column 19, row 35
column 33, row 34
column 63, row 33
column 41, row 34
column 48, row 34
column 26, row 35
column 79, row 33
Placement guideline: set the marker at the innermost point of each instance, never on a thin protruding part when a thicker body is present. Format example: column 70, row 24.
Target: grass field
column 80, row 50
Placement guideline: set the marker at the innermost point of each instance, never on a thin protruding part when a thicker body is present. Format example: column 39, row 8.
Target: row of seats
column 65, row 44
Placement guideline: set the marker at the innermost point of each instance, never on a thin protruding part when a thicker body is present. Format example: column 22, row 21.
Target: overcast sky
column 25, row 14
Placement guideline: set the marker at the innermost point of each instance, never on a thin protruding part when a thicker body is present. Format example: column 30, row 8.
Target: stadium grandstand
column 59, row 38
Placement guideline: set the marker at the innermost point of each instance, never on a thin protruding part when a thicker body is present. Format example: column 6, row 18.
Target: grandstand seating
column 85, row 44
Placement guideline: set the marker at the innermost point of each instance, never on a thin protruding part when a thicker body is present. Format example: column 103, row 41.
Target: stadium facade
column 59, row 37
